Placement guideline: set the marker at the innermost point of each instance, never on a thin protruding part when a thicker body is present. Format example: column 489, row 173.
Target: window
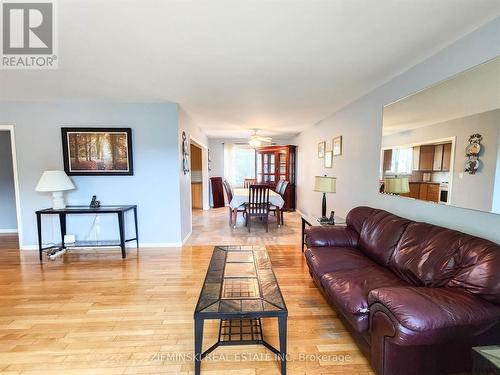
column 402, row 159
column 239, row 163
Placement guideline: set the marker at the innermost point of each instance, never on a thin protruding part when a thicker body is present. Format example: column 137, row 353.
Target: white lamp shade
column 325, row 184
column 54, row 181
column 398, row 185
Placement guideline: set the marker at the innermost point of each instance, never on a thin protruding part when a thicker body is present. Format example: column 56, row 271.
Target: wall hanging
column 472, row 153
column 185, row 153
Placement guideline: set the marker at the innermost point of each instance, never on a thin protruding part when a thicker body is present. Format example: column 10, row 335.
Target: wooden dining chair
column 258, row 204
column 248, row 182
column 278, row 186
column 232, row 211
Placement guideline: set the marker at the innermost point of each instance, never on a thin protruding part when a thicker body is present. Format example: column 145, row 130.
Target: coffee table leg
column 198, row 341
column 282, row 322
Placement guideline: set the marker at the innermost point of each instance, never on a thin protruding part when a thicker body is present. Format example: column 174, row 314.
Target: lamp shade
column 325, row 184
column 54, row 181
column 397, row 185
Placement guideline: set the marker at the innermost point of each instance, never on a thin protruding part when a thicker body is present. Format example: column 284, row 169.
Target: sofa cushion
column 380, row 234
column 426, row 309
column 357, row 216
column 426, row 255
column 327, row 259
column 339, row 236
column 350, row 288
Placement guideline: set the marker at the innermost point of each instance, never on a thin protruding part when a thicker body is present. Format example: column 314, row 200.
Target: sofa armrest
column 331, row 236
column 424, row 316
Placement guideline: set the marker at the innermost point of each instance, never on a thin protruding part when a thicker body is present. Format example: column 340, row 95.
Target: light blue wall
column 154, row 186
column 7, row 195
column 360, row 124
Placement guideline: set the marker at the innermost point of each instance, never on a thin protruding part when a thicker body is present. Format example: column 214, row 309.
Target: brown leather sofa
column 416, row 297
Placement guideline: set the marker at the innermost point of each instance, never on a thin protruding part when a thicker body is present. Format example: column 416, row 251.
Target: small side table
column 85, row 210
column 486, row 360
column 313, row 221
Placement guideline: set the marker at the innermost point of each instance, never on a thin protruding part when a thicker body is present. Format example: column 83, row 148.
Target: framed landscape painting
column 97, row 151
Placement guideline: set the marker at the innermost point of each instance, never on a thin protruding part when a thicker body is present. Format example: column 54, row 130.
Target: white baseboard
column 8, row 231
column 128, row 245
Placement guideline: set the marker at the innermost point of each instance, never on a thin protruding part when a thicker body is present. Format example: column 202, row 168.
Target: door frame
column 10, row 129
column 204, row 173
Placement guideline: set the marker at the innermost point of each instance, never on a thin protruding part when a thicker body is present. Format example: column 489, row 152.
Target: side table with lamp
column 323, row 184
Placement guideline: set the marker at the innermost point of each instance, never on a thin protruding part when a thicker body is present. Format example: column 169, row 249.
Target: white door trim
column 10, row 128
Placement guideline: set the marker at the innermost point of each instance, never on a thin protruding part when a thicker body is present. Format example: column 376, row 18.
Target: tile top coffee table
column 240, row 288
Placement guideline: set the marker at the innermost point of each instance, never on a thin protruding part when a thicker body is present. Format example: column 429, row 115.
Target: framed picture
column 321, row 149
column 328, row 159
column 97, row 151
column 337, row 146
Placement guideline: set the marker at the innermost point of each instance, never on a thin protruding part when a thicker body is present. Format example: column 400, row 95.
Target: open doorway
column 196, row 177
column 9, row 199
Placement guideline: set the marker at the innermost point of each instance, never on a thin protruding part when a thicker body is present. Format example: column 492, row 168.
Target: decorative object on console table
column 94, row 203
column 337, row 146
column 397, row 185
column 275, row 163
column 472, row 152
column 55, row 182
column 185, row 153
column 325, row 184
column 328, row 159
column 321, row 149
column 97, row 151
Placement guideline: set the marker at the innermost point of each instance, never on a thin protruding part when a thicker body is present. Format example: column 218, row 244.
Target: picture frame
column 337, row 146
column 329, row 159
column 97, row 151
column 321, row 149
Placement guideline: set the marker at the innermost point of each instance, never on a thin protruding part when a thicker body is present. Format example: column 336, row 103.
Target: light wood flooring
column 90, row 312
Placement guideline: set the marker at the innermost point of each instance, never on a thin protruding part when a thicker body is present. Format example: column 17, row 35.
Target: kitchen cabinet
column 274, row 163
column 432, row 193
column 426, row 162
column 414, row 191
column 424, row 191
column 446, row 157
column 438, row 158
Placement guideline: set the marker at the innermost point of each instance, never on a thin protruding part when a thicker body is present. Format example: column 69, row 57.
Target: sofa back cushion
column 478, row 268
column 357, row 216
column 380, row 234
column 426, row 255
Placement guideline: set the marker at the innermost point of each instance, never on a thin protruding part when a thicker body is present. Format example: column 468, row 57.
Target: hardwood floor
column 90, row 312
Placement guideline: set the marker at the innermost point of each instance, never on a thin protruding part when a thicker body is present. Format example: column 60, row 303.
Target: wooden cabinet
column 426, row 162
column 446, row 157
column 274, row 163
column 423, row 191
column 196, row 195
column 438, row 158
column 432, row 193
column 414, row 191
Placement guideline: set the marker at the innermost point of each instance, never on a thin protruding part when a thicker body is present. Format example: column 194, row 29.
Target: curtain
column 239, row 163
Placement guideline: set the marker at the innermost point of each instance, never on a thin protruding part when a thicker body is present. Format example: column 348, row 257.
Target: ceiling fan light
column 254, row 142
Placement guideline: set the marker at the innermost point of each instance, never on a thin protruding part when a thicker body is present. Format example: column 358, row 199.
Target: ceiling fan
column 257, row 140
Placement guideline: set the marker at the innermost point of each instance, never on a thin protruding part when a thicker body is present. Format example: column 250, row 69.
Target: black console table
column 75, row 210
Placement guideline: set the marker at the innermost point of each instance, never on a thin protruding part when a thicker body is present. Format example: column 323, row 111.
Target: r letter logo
column 28, row 35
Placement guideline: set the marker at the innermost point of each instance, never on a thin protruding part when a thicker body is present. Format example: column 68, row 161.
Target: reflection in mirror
column 442, row 144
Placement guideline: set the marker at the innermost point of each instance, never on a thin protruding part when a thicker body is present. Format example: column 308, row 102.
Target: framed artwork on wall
column 97, row 151
column 328, row 159
column 321, row 149
column 337, row 146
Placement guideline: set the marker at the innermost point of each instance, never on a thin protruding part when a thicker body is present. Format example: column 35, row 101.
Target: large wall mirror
column 442, row 144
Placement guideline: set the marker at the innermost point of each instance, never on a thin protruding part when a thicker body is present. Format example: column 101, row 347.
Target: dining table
column 240, row 197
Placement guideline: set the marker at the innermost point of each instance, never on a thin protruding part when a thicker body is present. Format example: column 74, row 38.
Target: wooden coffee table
column 240, row 289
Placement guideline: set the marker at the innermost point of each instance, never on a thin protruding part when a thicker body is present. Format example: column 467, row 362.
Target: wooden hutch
column 274, row 163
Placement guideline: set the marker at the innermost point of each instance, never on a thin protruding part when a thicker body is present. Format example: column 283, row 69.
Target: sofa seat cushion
column 349, row 289
column 327, row 259
column 427, row 309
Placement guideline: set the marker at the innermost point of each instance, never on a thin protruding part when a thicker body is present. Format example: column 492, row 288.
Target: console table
column 82, row 210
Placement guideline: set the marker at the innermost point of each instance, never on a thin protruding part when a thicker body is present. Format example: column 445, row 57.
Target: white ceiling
column 474, row 91
column 234, row 65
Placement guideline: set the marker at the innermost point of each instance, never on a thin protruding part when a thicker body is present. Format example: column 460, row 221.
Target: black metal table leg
column 303, row 233
column 39, row 231
column 198, row 342
column 282, row 322
column 136, row 227
column 62, row 222
column 122, row 233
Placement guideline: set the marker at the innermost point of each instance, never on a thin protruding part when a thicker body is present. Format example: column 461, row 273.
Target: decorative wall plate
column 473, row 149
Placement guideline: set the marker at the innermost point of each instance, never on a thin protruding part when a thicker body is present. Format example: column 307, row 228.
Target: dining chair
column 249, row 181
column 258, row 204
column 278, row 186
column 232, row 211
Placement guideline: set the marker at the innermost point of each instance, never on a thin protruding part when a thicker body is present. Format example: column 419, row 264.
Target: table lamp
column 55, row 182
column 324, row 185
column 397, row 185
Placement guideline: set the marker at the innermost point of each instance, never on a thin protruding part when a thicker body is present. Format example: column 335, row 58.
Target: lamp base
column 58, row 200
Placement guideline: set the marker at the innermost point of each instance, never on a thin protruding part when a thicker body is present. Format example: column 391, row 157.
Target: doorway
column 196, row 177
column 10, row 221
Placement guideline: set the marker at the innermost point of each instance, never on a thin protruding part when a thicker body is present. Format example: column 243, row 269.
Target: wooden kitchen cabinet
column 432, row 193
column 446, row 157
column 438, row 158
column 426, row 162
column 414, row 191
